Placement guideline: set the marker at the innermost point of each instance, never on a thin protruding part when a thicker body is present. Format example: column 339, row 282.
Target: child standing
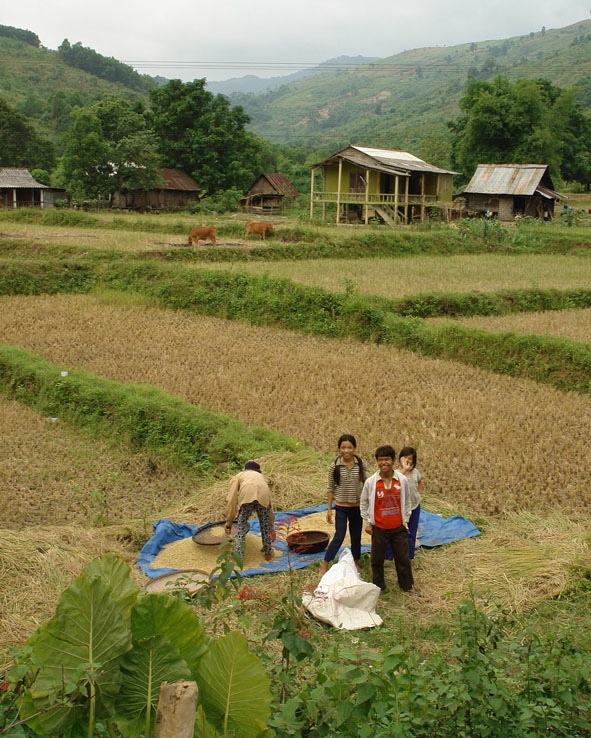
column 385, row 508
column 346, row 476
column 407, row 461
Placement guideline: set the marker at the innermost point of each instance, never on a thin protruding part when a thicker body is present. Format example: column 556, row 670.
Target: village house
column 505, row 191
column 178, row 191
column 19, row 189
column 268, row 195
column 360, row 183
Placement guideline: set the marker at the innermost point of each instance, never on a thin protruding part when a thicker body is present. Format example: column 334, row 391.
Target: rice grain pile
column 186, row 554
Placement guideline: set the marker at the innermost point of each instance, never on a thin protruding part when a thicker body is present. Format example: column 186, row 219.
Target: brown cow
column 201, row 234
column 260, row 227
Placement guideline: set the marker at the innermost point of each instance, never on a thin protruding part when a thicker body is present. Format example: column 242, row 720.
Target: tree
column 202, row 134
column 20, row 144
column 85, row 168
column 523, row 122
column 108, row 149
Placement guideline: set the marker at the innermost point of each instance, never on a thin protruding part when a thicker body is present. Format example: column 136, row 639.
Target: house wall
column 154, row 199
column 445, row 182
column 26, row 197
column 506, row 209
column 445, row 187
column 332, row 178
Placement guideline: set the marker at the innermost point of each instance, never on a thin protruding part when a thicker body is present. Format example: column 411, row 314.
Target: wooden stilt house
column 361, row 183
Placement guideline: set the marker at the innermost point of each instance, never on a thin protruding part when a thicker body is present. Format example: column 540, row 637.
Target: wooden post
column 177, row 705
column 312, row 194
column 367, row 175
column 396, row 192
column 422, row 197
column 406, row 192
column 339, row 191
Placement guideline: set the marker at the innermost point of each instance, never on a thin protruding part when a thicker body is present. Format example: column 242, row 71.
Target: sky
column 191, row 39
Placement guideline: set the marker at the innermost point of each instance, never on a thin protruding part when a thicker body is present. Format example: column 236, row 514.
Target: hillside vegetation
column 402, row 101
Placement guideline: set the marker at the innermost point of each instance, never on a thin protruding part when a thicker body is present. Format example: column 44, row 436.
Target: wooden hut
column 269, row 194
column 505, row 191
column 178, row 191
column 366, row 182
column 19, row 189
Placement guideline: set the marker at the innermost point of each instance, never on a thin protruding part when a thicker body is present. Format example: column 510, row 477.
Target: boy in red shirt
column 386, row 507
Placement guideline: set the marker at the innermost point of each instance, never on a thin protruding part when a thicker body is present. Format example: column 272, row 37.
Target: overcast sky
column 188, row 39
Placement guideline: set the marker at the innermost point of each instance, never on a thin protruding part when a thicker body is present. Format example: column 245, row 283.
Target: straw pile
column 520, row 558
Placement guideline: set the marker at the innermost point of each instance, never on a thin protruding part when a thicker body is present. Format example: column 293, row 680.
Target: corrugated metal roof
column 388, row 160
column 506, row 179
column 176, row 179
column 19, row 178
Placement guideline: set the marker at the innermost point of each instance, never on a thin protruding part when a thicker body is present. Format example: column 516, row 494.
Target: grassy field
column 511, row 454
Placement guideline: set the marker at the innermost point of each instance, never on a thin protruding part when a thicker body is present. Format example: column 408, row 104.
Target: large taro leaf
column 77, row 654
column 234, row 689
column 144, row 668
column 168, row 643
column 162, row 614
column 203, row 729
column 113, row 570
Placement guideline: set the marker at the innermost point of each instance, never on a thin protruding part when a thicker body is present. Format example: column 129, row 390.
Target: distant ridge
column 252, row 84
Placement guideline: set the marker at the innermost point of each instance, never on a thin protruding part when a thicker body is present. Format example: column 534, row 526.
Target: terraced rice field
column 485, row 442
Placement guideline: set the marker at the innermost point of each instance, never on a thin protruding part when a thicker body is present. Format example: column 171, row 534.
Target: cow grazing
column 260, row 227
column 201, row 234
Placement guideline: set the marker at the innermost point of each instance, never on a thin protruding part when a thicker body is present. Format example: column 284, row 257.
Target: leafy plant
column 101, row 659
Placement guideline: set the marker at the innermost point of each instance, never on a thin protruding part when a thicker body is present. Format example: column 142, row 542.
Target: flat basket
column 213, row 534
column 307, row 541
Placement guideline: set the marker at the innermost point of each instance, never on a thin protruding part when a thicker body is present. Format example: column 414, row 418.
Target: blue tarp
column 434, row 530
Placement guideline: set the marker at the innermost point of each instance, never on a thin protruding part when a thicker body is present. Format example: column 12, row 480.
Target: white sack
column 342, row 598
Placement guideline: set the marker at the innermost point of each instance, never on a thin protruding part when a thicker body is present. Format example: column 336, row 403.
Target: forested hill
column 404, row 101
column 40, row 84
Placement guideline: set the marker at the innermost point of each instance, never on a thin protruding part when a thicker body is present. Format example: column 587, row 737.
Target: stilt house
column 269, row 194
column 360, row 183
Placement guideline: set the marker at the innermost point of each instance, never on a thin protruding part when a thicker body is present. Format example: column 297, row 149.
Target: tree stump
column 175, row 716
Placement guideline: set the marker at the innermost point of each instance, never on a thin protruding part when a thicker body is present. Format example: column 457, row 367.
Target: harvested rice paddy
column 485, row 442
column 572, row 324
column 411, row 275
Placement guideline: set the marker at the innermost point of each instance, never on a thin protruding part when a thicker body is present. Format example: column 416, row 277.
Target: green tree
column 109, row 148
column 202, row 134
column 504, row 122
column 85, row 168
column 20, row 144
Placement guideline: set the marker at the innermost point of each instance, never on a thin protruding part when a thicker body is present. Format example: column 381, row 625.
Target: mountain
column 37, row 83
column 404, row 101
column 251, row 84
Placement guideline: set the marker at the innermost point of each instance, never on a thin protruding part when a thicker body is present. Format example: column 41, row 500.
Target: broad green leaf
column 234, row 688
column 112, row 569
column 77, row 654
column 150, row 663
column 203, row 729
column 175, row 621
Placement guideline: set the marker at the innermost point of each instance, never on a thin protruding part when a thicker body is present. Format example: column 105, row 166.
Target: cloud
column 221, row 41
